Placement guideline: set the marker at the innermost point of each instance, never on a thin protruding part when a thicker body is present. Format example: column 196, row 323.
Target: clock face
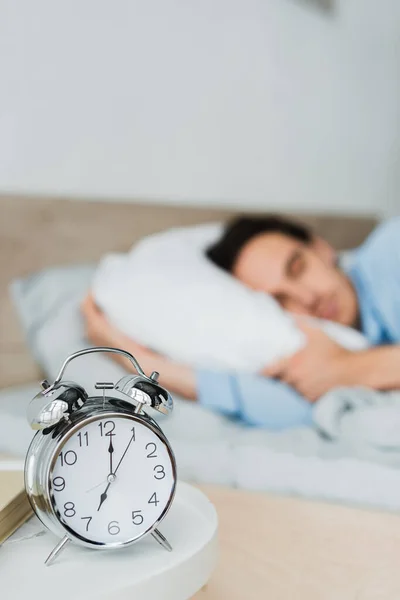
column 112, row 480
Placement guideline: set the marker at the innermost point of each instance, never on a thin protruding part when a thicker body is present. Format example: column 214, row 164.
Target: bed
column 39, row 233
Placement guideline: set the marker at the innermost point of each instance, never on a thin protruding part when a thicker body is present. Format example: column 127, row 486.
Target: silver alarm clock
column 99, row 471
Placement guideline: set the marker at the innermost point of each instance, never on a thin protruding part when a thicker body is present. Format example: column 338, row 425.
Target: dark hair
column 241, row 230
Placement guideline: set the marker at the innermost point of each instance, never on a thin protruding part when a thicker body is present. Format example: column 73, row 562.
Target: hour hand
column 103, row 497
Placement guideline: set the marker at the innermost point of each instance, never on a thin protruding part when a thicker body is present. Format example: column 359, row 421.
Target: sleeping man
column 300, row 271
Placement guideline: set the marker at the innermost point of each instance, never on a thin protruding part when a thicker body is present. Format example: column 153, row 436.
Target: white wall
column 259, row 102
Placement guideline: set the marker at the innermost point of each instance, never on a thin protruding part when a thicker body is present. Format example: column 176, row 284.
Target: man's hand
column 174, row 376
column 101, row 333
column 98, row 329
column 318, row 367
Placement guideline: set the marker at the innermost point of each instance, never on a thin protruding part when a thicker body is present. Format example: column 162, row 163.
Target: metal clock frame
column 45, row 448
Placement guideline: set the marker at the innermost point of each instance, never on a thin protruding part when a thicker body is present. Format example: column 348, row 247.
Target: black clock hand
column 126, row 449
column 103, row 497
column 111, row 451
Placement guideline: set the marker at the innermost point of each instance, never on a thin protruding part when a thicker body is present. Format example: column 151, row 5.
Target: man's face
column 302, row 277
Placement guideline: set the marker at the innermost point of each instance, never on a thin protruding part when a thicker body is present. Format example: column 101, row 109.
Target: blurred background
column 283, row 104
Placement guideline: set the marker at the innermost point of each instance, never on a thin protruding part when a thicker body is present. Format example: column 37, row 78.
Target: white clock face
column 112, row 480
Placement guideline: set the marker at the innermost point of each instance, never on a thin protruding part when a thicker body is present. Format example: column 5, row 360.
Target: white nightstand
column 144, row 571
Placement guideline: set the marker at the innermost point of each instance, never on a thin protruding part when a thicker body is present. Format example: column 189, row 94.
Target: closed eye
column 296, row 265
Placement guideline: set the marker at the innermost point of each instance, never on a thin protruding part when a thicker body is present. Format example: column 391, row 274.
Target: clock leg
column 54, row 553
column 157, row 535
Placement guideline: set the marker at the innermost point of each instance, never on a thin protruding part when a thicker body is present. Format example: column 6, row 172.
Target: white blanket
column 365, row 422
column 167, row 295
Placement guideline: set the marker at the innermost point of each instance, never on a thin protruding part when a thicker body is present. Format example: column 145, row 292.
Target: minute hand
column 111, row 452
column 126, row 450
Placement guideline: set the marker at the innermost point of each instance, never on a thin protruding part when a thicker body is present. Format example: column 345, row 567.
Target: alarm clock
column 100, row 472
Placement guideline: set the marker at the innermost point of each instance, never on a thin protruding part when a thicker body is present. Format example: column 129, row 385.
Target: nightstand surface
column 292, row 549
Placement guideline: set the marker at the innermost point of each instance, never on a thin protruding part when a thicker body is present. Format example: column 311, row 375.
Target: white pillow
column 167, row 295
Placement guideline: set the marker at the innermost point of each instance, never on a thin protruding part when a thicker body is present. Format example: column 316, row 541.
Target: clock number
column 159, row 470
column 137, row 518
column 58, row 484
column 88, row 522
column 153, row 500
column 152, row 453
column 113, row 528
column 85, row 441
column 103, row 431
column 69, row 510
column 69, row 458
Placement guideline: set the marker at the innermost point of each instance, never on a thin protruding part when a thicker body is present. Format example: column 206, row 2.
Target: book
column 15, row 508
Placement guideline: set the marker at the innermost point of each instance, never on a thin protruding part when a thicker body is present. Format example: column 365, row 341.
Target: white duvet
column 167, row 295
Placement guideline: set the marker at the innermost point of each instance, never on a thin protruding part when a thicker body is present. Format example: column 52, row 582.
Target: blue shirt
column 256, row 400
column 375, row 273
